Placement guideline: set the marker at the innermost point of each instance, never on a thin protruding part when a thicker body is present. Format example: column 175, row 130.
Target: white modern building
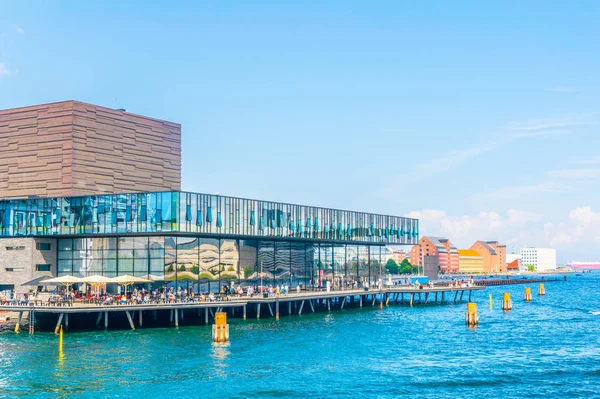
column 542, row 259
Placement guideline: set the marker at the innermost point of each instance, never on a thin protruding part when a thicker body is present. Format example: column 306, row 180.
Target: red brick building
column 440, row 247
column 494, row 255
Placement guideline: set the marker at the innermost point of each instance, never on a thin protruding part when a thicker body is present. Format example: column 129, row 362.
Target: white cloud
column 590, row 161
column 19, row 29
column 580, row 227
column 533, row 128
column 554, row 122
column 571, row 235
column 539, row 133
column 4, row 69
column 559, row 89
column 435, row 166
column 465, row 230
column 581, row 173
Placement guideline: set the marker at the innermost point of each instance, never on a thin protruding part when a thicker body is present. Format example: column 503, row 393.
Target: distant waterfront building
column 91, row 190
column 542, row 259
column 397, row 254
column 440, row 247
column 470, row 261
column 584, row 265
column 494, row 255
column 513, row 262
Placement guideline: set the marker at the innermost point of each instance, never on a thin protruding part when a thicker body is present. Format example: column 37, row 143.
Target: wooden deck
column 256, row 306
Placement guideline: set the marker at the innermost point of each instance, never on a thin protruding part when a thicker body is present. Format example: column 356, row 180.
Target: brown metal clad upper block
column 72, row 148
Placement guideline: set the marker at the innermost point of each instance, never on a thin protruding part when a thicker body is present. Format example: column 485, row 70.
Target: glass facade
column 202, row 215
column 208, row 263
column 205, row 241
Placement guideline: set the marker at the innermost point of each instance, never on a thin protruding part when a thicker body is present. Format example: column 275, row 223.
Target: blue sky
column 481, row 118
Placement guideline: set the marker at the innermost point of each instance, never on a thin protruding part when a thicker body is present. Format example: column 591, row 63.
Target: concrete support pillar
column 105, row 320
column 18, row 322
column 58, row 323
column 130, row 320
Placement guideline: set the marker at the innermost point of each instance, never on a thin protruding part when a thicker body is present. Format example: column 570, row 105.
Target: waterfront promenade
column 239, row 307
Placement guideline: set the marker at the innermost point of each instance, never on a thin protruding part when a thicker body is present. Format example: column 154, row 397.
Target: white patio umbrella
column 127, row 280
column 97, row 280
column 63, row 280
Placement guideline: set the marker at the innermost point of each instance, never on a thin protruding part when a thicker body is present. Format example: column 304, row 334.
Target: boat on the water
column 585, row 265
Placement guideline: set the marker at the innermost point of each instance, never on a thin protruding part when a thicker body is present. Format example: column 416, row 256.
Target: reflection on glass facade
column 202, row 214
column 207, row 241
column 209, row 263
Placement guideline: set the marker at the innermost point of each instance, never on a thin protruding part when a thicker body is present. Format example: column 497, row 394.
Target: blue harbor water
column 547, row 348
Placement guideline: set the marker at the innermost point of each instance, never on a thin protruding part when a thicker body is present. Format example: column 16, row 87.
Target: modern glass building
column 207, row 240
column 88, row 190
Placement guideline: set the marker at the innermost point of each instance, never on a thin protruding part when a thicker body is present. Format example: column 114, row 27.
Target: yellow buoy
column 220, row 330
column 542, row 290
column 472, row 317
column 60, row 339
column 506, row 302
column 491, row 301
column 527, row 295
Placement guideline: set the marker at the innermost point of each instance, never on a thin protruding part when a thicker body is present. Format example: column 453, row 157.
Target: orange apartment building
column 494, row 256
column 439, row 247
